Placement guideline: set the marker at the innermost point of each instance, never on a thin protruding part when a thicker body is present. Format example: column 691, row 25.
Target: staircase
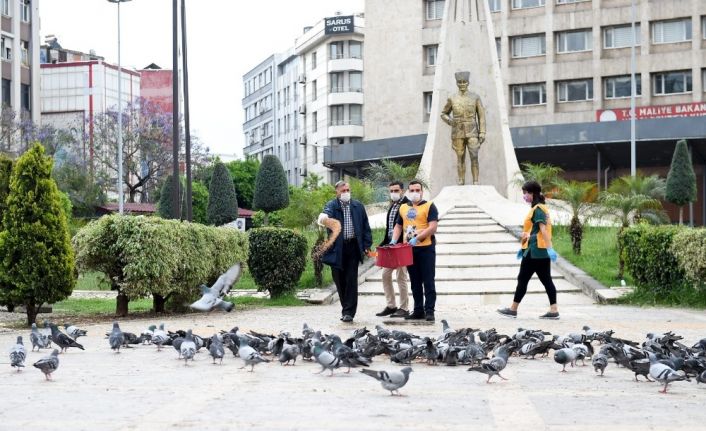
column 475, row 255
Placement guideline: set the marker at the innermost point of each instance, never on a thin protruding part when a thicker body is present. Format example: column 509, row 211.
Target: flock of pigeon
column 662, row 357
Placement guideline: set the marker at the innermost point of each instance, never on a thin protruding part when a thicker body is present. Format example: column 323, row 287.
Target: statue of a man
column 467, row 126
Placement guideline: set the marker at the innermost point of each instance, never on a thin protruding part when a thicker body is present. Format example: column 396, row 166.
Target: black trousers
column 346, row 278
column 530, row 266
column 421, row 277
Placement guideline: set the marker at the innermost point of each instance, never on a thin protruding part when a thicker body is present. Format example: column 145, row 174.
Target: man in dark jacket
column 397, row 199
column 349, row 248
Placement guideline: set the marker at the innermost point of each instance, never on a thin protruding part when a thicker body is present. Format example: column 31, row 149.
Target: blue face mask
column 527, row 197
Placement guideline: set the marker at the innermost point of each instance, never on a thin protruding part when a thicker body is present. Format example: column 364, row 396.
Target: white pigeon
column 213, row 296
column 18, row 354
column 391, row 380
column 249, row 355
column 159, row 336
column 664, row 373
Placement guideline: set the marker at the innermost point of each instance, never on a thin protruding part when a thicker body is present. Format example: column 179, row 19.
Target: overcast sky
column 226, row 39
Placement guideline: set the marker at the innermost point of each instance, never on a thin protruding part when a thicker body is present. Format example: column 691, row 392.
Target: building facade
column 258, row 105
column 288, row 117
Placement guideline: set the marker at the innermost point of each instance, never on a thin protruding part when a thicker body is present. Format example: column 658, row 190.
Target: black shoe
column 416, row 315
column 507, row 312
column 553, row 315
column 400, row 313
column 430, row 317
column 347, row 318
column 386, row 312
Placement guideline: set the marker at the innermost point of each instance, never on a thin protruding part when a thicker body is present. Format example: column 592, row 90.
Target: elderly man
column 397, row 199
column 349, row 248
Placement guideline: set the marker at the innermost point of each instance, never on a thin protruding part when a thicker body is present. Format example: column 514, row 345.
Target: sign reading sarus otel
column 339, row 24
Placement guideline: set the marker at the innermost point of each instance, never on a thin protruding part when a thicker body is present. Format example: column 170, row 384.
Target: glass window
column 703, row 27
column 355, row 81
column 575, row 91
column 523, row 4
column 26, row 11
column 6, row 92
column 435, row 9
column 574, row 41
column 336, row 80
column 427, row 102
column 355, row 49
column 6, row 48
column 569, row 1
column 314, row 121
column 430, row 54
column 356, row 114
column 529, row 94
column 671, row 82
column 671, row 31
column 314, row 90
column 5, row 7
column 619, row 86
column 336, row 115
column 528, row 46
column 313, row 60
column 336, row 50
column 24, row 47
column 495, row 5
column 620, row 36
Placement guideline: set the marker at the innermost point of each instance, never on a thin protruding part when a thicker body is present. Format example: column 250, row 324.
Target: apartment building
column 566, row 72
column 289, row 109
column 259, row 115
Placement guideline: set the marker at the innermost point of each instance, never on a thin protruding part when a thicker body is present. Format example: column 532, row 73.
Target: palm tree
column 651, row 186
column 388, row 170
column 577, row 196
column 545, row 174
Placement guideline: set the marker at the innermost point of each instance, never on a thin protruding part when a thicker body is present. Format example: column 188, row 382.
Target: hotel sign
column 339, row 25
column 695, row 109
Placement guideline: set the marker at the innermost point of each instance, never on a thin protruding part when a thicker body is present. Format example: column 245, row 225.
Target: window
column 524, row 4
column 6, row 92
column 703, row 27
column 671, row 83
column 671, row 31
column 5, row 7
column 314, row 121
column 24, row 50
column 268, row 75
column 574, row 41
column 314, row 90
column 337, row 115
column 336, row 80
column 620, row 36
column 355, row 81
column 335, row 50
column 435, row 9
column 619, row 86
column 569, row 1
column 575, row 91
column 427, row 102
column 528, row 46
column 495, row 5
column 497, row 48
column 355, row 49
column 25, row 10
column 356, row 114
column 313, row 60
column 529, row 94
column 430, row 54
column 6, row 49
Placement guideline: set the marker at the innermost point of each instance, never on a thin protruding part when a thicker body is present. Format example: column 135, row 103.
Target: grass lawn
column 599, row 253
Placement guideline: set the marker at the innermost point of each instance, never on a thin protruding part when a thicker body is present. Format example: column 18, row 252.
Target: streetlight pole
column 176, row 202
column 120, row 118
column 633, row 93
column 187, row 130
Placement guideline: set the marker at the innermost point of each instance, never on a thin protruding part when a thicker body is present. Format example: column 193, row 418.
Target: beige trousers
column 401, row 285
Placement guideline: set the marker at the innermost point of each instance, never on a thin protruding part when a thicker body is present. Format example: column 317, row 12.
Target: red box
column 394, row 256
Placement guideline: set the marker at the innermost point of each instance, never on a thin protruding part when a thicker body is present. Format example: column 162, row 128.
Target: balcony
column 353, row 153
column 345, row 128
column 345, row 95
column 345, row 63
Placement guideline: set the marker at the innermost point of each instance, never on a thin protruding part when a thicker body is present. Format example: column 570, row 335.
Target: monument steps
column 496, row 228
column 467, row 216
column 472, row 238
column 474, row 274
column 483, row 222
column 478, row 287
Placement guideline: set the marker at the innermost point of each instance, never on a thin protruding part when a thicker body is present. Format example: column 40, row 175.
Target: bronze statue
column 467, row 126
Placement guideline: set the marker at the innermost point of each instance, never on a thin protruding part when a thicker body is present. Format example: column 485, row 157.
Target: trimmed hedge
column 689, row 247
column 222, row 201
column 151, row 256
column 277, row 259
column 648, row 255
column 271, row 188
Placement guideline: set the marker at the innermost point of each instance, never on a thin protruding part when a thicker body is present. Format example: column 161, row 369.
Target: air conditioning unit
column 302, row 109
column 302, row 140
column 302, row 78
column 304, row 172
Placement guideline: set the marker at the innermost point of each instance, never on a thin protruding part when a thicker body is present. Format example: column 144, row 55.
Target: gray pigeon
column 18, row 353
column 249, row 355
column 701, row 378
column 159, row 337
column 216, row 348
column 391, row 380
column 663, row 373
column 212, row 297
column 565, row 356
column 289, row 353
column 62, row 340
column 600, row 362
column 73, row 331
column 48, row 364
column 116, row 338
column 494, row 366
column 188, row 347
column 39, row 340
column 325, row 358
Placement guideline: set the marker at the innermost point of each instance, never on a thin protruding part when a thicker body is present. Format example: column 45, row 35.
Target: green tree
column 577, row 196
column 271, row 188
column 681, row 179
column 84, row 190
column 5, row 173
column 222, row 201
column 243, row 173
column 651, row 186
column 388, row 170
column 165, row 206
column 36, row 257
column 199, row 202
column 545, row 174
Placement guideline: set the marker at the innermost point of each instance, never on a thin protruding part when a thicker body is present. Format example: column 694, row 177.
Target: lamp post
column 633, row 93
column 120, row 117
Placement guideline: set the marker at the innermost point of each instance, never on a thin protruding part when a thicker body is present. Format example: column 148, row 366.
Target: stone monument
column 467, row 43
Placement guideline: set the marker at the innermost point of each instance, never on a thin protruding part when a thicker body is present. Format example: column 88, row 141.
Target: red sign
column 695, row 109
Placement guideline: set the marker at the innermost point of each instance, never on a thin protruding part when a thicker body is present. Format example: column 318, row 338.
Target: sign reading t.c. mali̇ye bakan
column 694, row 109
column 339, row 24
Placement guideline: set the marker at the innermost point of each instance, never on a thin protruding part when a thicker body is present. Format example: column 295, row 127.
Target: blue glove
column 393, row 241
column 552, row 254
column 412, row 241
column 520, row 254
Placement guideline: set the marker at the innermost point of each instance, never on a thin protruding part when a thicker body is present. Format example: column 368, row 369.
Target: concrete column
column 35, row 68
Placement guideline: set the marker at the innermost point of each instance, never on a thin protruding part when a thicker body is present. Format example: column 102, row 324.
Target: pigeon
column 249, row 355
column 188, row 348
column 146, row 336
column 48, row 364
column 62, row 340
column 701, row 378
column 600, row 362
column 391, row 380
column 565, row 356
column 159, row 337
column 216, row 349
column 325, row 358
column 289, row 353
column 73, row 331
column 349, row 357
column 431, row 353
column 663, row 373
column 212, row 297
column 39, row 340
column 494, row 366
column 18, row 353
column 116, row 338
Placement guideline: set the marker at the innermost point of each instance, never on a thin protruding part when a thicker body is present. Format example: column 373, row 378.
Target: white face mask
column 395, row 196
column 345, row 197
column 414, row 196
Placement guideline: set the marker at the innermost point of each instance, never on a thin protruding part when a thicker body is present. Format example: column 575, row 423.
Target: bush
column 647, row 251
column 689, row 247
column 274, row 219
column 361, row 190
column 222, row 202
column 277, row 259
column 199, row 202
column 271, row 188
column 5, row 173
column 305, row 205
column 681, row 180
